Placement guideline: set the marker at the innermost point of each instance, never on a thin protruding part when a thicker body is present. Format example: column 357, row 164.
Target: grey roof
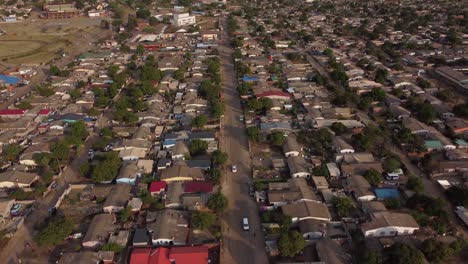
column 291, row 144
column 119, row 196
column 100, row 228
column 170, row 224
column 140, row 237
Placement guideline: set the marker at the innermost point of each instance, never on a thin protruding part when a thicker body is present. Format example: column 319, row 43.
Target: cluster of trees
column 202, row 220
column 436, row 251
column 424, row 110
column 253, row 133
column 106, row 168
column 408, row 140
column 217, row 202
column 54, row 233
column 370, row 138
column 343, row 205
column 198, row 147
column 55, row 71
column 44, row 90
column 244, row 88
column 376, row 94
column 429, row 212
column 338, row 74
column 199, row 121
column 317, row 140
column 263, row 104
column 277, row 138
column 373, row 177
column 11, row 152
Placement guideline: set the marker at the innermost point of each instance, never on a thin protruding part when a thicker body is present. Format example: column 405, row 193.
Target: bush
column 202, row 220
column 54, row 233
column 218, row 202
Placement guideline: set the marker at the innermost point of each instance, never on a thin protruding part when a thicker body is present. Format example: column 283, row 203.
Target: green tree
column 202, row 220
column 381, row 75
column 44, row 91
column 125, row 214
column 114, row 247
column 391, row 164
column 143, row 13
column 107, row 168
column 199, row 121
column 415, row 183
column 215, row 175
column 11, row 152
column 403, row 254
column 373, row 177
column 24, row 105
column 140, row 50
column 61, row 150
column 198, row 147
column 217, row 202
column 277, row 138
column 219, row 158
column 338, row 128
column 54, row 233
column 79, row 130
column 253, row 133
column 217, row 108
column 393, row 203
column 291, row 243
column 436, row 251
column 343, row 205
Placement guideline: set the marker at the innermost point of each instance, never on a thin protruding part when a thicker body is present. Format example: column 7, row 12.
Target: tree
column 415, row 183
column 131, row 22
column 458, row 195
column 54, row 70
column 107, row 168
column 215, row 175
column 423, row 83
column 11, row 152
column 436, row 251
column 393, row 203
column 198, row 147
column 44, row 91
column 217, row 202
column 343, row 205
column 219, row 158
column 381, row 75
column 373, row 177
column 61, row 150
column 391, row 164
column 277, row 138
column 403, row 254
column 253, row 133
column 24, row 105
column 216, row 108
column 461, row 110
column 338, row 128
column 199, row 121
column 54, row 233
column 114, row 247
column 125, row 214
column 143, row 13
column 202, row 220
column 291, row 243
column 79, row 130
column 140, row 50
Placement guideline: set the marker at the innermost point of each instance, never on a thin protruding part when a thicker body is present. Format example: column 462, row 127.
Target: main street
column 238, row 246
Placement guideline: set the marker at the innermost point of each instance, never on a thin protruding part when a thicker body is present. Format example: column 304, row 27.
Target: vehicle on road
column 251, row 191
column 53, row 185
column 234, row 168
column 245, row 224
column 16, row 210
column 241, row 118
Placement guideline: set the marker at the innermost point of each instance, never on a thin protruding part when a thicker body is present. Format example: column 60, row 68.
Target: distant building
column 60, row 11
column 457, row 79
column 183, row 19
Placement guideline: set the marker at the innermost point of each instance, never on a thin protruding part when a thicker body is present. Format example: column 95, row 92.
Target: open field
column 38, row 41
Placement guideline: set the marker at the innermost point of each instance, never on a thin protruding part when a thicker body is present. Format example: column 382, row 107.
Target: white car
column 245, row 224
column 234, row 168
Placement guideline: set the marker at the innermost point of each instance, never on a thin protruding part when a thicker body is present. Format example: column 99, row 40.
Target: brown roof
column 307, row 209
column 387, row 219
column 360, row 169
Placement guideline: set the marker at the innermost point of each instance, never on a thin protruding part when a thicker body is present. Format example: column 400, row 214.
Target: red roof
column 12, row 112
column 198, row 186
column 150, row 256
column 44, row 111
column 189, row 255
column 273, row 93
column 157, row 186
column 161, row 255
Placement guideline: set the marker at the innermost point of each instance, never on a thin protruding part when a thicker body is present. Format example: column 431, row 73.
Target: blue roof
column 9, row 79
column 249, row 78
column 169, row 142
column 386, row 193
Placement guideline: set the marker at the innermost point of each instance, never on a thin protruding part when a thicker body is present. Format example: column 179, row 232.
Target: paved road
column 238, row 246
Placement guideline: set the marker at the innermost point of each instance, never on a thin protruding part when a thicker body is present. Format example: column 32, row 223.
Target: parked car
column 245, row 224
column 234, row 168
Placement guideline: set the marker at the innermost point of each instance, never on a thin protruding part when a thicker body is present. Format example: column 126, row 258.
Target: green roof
column 461, row 142
column 433, row 144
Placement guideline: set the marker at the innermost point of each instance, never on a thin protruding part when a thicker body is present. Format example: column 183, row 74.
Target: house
column 183, row 19
column 117, row 198
column 360, row 188
column 330, row 251
column 145, row 166
column 172, row 196
column 203, row 135
column 128, row 173
column 298, row 168
column 340, row 146
column 359, row 169
column 162, row 255
column 348, row 123
column 274, row 95
column 179, row 151
column 457, row 125
column 121, row 238
column 99, row 230
column 415, row 126
column 5, row 207
column 312, row 228
column 135, row 204
column 132, row 154
column 60, row 11
column 156, row 187
column 163, row 163
column 170, row 228
column 320, row 182
column 303, row 210
column 389, row 224
column 181, row 172
column 290, row 147
column 140, row 238
column 12, row 113
column 295, row 190
column 17, row 179
column 204, row 164
column 198, row 187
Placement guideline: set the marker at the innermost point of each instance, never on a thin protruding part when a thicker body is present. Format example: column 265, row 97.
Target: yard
column 36, row 41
